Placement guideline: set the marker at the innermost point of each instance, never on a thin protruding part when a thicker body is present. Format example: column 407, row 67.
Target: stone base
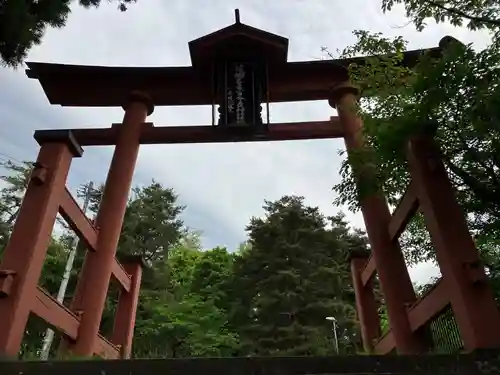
column 481, row 362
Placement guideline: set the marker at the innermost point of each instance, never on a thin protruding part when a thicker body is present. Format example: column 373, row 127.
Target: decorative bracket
column 39, row 174
column 6, row 282
column 475, row 271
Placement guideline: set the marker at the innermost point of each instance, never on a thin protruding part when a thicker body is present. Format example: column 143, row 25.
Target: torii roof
column 107, row 86
column 239, row 41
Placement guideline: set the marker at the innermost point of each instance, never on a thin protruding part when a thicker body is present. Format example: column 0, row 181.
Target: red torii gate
column 274, row 80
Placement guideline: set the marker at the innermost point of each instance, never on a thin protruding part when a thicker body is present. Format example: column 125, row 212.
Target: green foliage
column 24, row 22
column 187, row 327
column 211, row 277
column 151, row 224
column 14, row 185
column 271, row 297
column 292, row 278
column 384, row 320
column 475, row 14
column 456, row 97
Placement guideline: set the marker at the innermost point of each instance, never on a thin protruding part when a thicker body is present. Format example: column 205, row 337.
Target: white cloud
column 223, row 185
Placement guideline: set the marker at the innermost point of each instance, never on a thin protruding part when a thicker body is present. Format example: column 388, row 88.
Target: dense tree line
column 269, row 297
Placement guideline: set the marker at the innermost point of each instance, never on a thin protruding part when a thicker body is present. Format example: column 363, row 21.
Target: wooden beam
column 207, row 134
column 103, row 86
column 77, row 220
column 406, row 209
column 106, row 349
column 121, row 275
column 386, row 344
column 430, row 305
column 108, row 86
column 63, row 320
column 56, row 315
column 368, row 271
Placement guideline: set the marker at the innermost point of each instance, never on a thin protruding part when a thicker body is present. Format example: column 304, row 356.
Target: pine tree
column 24, row 22
column 293, row 277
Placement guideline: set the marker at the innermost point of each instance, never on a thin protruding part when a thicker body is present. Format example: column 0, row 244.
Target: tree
column 23, row 24
column 294, row 275
column 94, row 197
column 178, row 313
column 270, row 297
column 211, row 277
column 151, row 229
column 475, row 14
column 183, row 313
column 454, row 97
column 188, row 327
column 151, row 223
column 16, row 181
column 455, row 94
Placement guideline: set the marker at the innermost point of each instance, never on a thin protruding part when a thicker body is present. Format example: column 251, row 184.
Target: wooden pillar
column 92, row 288
column 24, row 256
column 392, row 271
column 366, row 305
column 123, row 329
column 463, row 273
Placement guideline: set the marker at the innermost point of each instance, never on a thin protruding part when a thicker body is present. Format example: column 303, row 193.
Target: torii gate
column 236, row 69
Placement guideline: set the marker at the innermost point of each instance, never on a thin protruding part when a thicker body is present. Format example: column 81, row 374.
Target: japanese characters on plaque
column 241, row 106
column 239, row 77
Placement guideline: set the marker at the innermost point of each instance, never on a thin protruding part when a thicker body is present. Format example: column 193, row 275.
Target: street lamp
column 334, row 323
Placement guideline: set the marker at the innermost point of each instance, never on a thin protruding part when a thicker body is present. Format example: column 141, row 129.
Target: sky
column 222, row 185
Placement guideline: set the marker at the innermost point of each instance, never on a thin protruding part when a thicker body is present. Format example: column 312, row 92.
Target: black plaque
column 241, row 90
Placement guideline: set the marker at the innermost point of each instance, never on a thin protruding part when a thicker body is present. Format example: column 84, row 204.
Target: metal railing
column 444, row 333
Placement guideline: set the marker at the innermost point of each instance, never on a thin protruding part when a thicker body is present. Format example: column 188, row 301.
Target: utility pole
column 334, row 329
column 49, row 334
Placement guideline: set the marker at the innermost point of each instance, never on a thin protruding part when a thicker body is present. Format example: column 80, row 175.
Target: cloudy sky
column 222, row 185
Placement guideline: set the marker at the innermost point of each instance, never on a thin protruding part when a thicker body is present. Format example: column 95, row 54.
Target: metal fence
column 444, row 333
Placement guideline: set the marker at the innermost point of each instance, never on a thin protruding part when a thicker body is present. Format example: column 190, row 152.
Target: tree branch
column 462, row 13
column 476, row 186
